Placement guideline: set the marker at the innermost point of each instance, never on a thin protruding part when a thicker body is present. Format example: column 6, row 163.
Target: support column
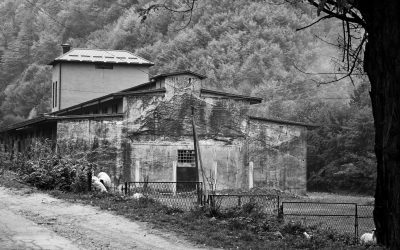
column 215, row 165
column 251, row 172
column 174, row 164
column 137, row 171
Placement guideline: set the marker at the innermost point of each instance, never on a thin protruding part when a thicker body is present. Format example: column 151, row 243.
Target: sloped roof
column 101, row 56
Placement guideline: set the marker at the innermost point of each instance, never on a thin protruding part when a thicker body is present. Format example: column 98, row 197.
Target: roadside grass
column 342, row 198
column 229, row 229
column 11, row 180
column 239, row 228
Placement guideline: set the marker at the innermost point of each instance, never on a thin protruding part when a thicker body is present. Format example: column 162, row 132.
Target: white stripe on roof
column 105, row 56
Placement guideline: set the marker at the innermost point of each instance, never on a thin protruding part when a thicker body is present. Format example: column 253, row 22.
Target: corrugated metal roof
column 102, row 56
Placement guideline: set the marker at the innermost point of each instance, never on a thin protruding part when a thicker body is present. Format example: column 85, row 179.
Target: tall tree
column 381, row 24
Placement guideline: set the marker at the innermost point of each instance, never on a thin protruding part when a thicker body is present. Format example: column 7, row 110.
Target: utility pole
column 198, row 153
column 195, row 146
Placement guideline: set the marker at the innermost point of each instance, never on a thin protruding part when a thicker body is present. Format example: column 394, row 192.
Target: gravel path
column 38, row 221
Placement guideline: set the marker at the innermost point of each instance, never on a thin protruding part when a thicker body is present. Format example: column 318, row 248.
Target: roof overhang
column 54, row 62
column 285, row 122
column 109, row 97
column 51, row 118
column 251, row 99
column 185, row 72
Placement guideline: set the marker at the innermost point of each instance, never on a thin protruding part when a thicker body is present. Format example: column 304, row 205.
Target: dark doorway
column 186, row 171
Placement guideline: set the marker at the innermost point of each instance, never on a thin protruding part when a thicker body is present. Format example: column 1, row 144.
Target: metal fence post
column 356, row 222
column 280, row 211
column 199, row 194
column 239, row 201
column 277, row 199
column 126, row 188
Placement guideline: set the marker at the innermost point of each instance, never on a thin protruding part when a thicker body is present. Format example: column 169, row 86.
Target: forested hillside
column 244, row 46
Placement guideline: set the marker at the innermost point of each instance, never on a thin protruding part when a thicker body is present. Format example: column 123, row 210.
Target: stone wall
column 102, row 136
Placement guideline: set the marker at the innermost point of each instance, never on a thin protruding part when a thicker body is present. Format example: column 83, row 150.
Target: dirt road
column 38, row 221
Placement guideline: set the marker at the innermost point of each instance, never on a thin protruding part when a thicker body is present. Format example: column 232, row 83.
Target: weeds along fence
column 343, row 217
column 268, row 203
column 348, row 218
column 180, row 195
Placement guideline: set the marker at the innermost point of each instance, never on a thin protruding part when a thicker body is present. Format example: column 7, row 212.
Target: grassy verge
column 244, row 228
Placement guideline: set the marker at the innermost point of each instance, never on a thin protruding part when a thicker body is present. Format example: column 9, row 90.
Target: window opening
column 55, row 95
column 104, row 66
column 52, row 85
column 186, row 156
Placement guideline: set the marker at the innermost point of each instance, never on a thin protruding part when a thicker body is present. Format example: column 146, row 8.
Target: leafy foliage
column 67, row 169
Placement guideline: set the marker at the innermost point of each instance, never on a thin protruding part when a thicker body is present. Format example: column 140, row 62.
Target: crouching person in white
column 97, row 185
column 368, row 238
column 105, row 179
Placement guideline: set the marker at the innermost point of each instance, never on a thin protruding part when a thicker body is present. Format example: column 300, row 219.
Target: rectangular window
column 115, row 108
column 55, row 96
column 104, row 66
column 186, row 156
column 52, row 85
column 104, row 110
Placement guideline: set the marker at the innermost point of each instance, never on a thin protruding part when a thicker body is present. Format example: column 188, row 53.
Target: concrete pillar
column 215, row 164
column 174, row 164
column 251, row 173
column 137, row 171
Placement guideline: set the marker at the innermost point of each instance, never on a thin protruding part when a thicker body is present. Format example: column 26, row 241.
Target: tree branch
column 353, row 19
column 320, row 19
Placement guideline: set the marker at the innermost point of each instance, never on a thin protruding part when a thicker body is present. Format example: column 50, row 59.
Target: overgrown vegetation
column 68, row 168
column 239, row 228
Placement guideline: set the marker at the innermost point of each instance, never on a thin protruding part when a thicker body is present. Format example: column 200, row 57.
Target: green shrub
column 67, row 169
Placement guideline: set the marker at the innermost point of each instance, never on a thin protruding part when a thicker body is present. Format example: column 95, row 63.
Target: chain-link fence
column 268, row 203
column 342, row 217
column 180, row 195
column 365, row 218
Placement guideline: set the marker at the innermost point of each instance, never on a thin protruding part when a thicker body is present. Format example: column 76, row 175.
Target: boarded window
column 186, row 156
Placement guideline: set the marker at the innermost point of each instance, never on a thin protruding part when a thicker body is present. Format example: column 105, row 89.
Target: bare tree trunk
column 382, row 64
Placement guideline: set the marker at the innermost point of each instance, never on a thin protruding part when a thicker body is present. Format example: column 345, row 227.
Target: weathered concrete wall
column 102, row 136
column 176, row 85
column 159, row 126
column 156, row 161
column 278, row 152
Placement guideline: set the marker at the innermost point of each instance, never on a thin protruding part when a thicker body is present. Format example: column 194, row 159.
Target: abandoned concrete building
column 105, row 97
